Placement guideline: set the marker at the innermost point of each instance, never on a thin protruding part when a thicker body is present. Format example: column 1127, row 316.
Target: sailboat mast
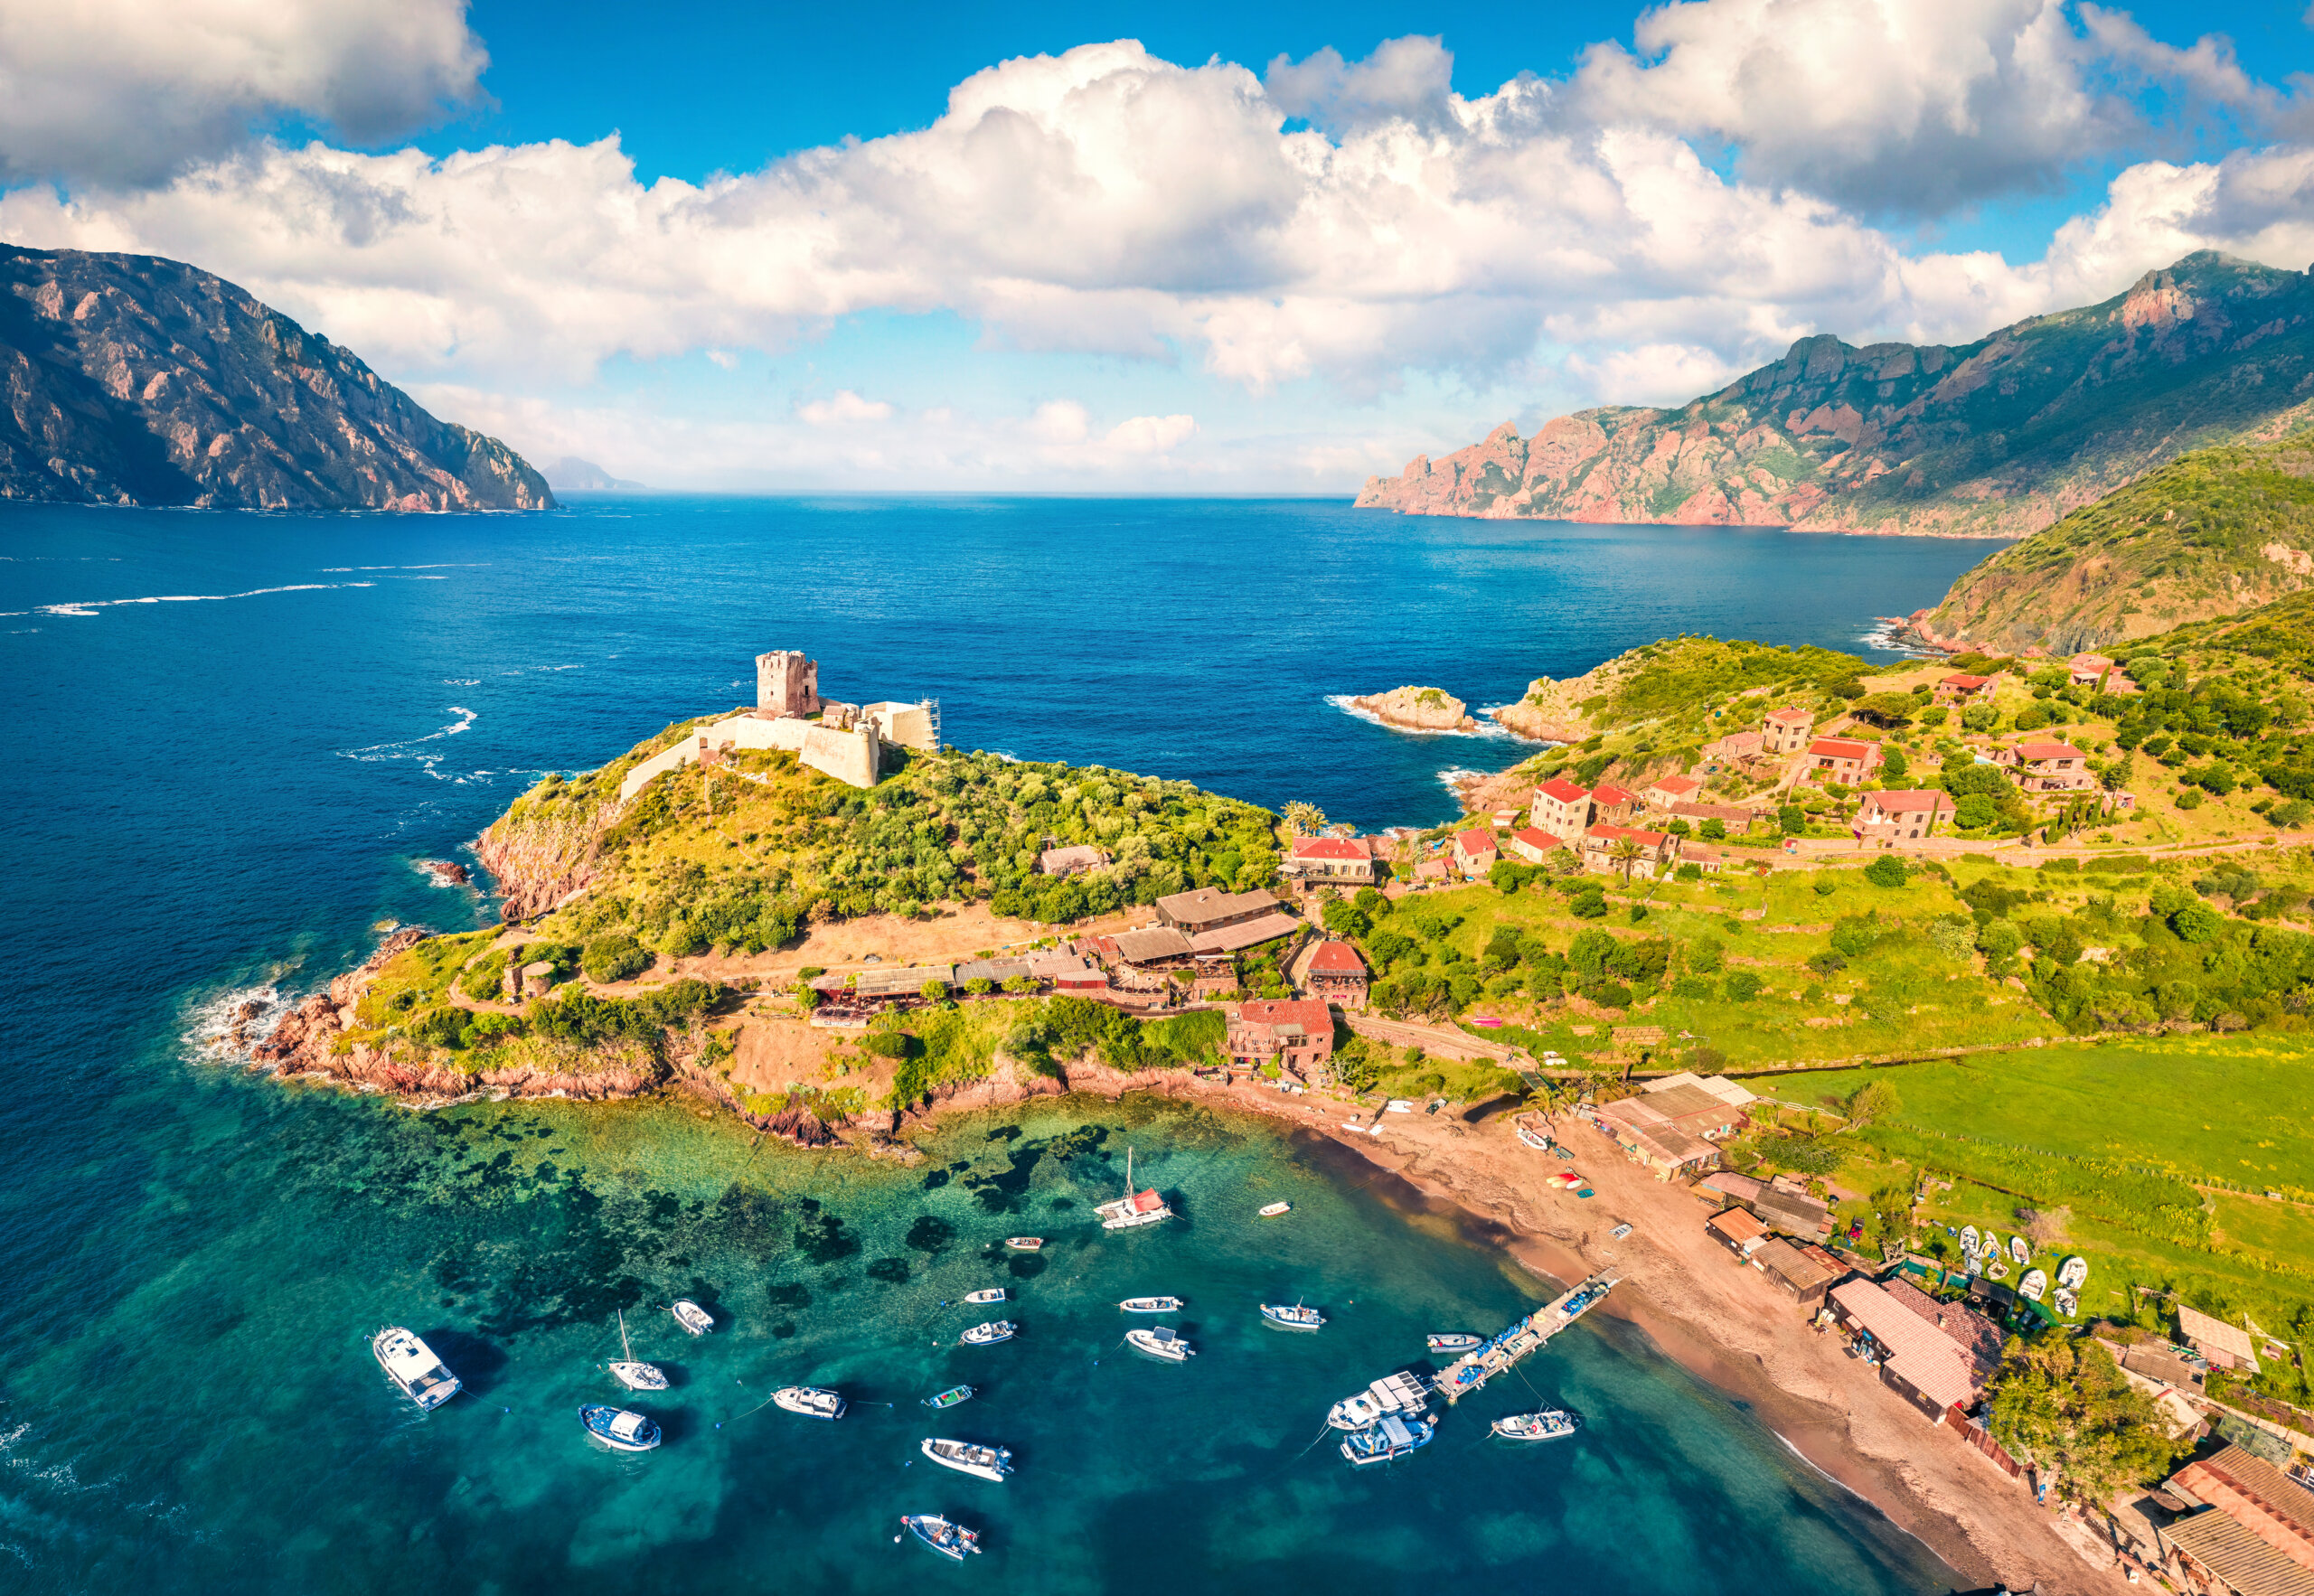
column 625, row 1351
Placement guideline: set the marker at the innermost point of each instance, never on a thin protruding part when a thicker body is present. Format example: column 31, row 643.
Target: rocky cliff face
column 1419, row 709
column 132, row 379
column 1996, row 438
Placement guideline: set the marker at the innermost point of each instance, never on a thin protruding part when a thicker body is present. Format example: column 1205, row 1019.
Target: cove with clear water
column 234, row 732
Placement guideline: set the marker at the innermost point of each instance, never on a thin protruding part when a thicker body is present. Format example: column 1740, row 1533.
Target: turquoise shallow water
column 234, row 732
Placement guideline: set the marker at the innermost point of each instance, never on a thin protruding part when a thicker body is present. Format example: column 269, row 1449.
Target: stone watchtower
column 786, row 684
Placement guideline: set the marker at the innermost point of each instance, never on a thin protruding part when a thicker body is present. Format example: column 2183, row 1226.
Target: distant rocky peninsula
column 1418, row 708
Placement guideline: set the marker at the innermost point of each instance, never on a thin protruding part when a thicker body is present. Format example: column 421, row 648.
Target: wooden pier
column 1474, row 1369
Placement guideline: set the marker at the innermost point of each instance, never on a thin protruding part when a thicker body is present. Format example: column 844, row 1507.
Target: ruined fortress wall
column 847, row 755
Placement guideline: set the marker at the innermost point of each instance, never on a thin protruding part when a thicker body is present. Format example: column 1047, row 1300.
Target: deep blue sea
column 231, row 735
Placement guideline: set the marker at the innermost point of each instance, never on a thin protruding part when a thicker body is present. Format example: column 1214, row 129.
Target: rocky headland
column 1996, row 438
column 134, row 380
column 1418, row 708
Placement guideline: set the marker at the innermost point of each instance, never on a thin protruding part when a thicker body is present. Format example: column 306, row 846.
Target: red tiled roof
column 1610, row 833
column 1788, row 714
column 1607, row 792
column 1537, row 838
column 1968, row 683
column 1736, row 1226
column 2049, row 751
column 1839, row 748
column 1310, row 1013
column 1475, row 841
column 1675, row 784
column 1563, row 790
column 1332, row 848
column 1338, row 958
column 1910, row 800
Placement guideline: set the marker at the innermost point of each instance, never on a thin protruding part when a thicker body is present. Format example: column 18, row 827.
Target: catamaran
column 1390, row 1439
column 1292, row 1315
column 983, row 1462
column 1161, row 1343
column 410, row 1364
column 620, row 1429
column 1136, row 1208
column 950, row 1539
column 692, row 1317
column 1547, row 1425
column 987, row 1294
column 627, row 1372
column 988, row 1335
column 814, row 1401
column 1151, row 1305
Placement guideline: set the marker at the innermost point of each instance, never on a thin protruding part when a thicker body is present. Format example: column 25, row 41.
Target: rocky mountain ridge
column 1995, row 438
column 135, row 380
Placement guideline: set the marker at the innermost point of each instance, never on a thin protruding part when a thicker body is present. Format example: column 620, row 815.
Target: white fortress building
column 845, row 741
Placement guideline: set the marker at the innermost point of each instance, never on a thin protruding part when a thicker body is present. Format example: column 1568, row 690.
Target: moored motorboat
column 1392, row 1393
column 988, row 1335
column 950, row 1539
column 1391, row 1436
column 1161, row 1343
column 983, row 1462
column 950, row 1397
column 1136, row 1208
column 621, row 1428
column 692, row 1317
column 1272, row 1210
column 410, row 1364
column 1456, row 1341
column 1150, row 1305
column 1547, row 1425
column 814, row 1401
column 1292, row 1315
column 628, row 1372
column 986, row 1294
column 1025, row 1243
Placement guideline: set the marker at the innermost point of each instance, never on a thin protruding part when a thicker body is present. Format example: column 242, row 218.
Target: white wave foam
column 88, row 607
column 1454, row 780
column 1883, row 636
column 462, row 681
column 230, row 1022
column 1488, row 727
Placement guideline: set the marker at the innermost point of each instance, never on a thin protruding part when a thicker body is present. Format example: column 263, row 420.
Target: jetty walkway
column 1474, row 1369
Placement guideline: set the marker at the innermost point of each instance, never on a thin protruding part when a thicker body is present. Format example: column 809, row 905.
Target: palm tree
column 1304, row 820
column 1624, row 854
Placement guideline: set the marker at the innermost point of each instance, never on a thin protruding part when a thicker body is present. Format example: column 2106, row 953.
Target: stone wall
column 849, row 756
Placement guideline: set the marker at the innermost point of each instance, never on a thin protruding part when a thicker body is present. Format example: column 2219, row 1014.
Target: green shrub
column 1826, row 963
column 1887, row 870
column 1694, row 988
column 1854, row 934
column 1974, row 812
column 485, row 978
column 615, row 957
column 1742, row 986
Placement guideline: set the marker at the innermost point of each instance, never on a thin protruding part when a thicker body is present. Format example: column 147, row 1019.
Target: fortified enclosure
column 845, row 741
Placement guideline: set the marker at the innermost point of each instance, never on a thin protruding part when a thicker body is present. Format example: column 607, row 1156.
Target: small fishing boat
column 1970, row 1242
column 1272, row 1210
column 1392, row 1393
column 1547, row 1425
column 988, row 1294
column 1456, row 1341
column 1621, row 1230
column 410, row 1364
column 983, row 1462
column 1151, row 1305
column 1161, row 1343
column 950, row 1539
column 1292, row 1315
column 2035, row 1285
column 627, row 1372
column 988, row 1335
column 950, row 1397
column 1390, row 1439
column 1025, row 1243
column 1136, row 1208
column 2068, row 1301
column 1537, row 1140
column 814, row 1401
column 1996, row 1266
column 692, row 1317
column 2020, row 1249
column 620, row 1429
column 2073, row 1272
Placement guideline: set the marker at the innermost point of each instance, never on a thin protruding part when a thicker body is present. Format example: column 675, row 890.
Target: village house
column 1791, row 1210
column 1916, row 1360
column 2253, row 1533
column 1432, row 872
column 2088, row 670
column 2047, row 767
column 1561, row 808
column 1737, row 1231
column 1613, row 804
column 2226, row 1345
column 1906, row 816
column 1965, row 690
column 1531, row 845
column 1331, row 971
column 1803, row 1273
column 1786, row 731
column 1070, row 860
column 1978, row 1337
column 1846, row 760
column 1475, row 853
column 1330, row 862
column 1209, row 909
column 1732, row 816
column 1296, row 1033
column 1664, row 791
column 1070, row 973
column 1732, row 749
column 1672, row 1125
column 1704, row 856
column 1657, row 850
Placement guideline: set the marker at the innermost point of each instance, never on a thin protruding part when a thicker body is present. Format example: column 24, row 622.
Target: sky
column 1110, row 247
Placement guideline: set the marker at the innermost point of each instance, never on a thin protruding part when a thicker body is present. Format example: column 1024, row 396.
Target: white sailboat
column 1136, row 1208
column 628, row 1372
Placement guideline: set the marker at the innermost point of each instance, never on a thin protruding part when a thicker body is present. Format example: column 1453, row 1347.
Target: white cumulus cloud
column 846, row 407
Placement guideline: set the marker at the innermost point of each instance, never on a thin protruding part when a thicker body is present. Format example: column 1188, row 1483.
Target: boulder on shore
column 1419, row 709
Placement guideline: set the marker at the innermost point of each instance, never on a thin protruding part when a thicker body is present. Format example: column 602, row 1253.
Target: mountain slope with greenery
column 2211, row 533
column 1995, row 438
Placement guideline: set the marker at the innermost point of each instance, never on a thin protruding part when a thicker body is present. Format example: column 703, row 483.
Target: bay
column 234, row 734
